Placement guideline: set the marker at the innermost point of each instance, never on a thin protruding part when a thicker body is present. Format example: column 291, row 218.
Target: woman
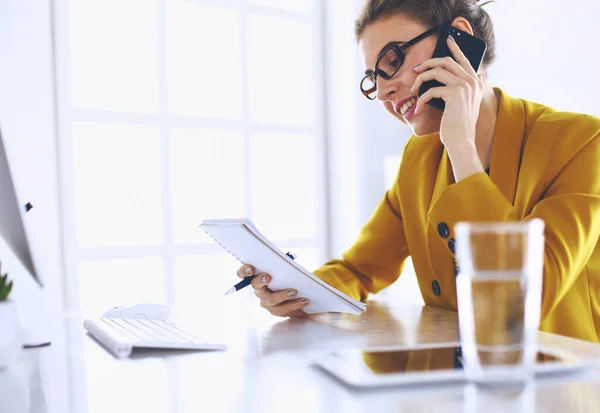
column 463, row 164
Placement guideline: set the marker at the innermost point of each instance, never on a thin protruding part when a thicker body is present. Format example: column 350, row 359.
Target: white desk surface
column 266, row 370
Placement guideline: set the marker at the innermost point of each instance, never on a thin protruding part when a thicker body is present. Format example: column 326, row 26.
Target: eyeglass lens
column 389, row 63
column 369, row 87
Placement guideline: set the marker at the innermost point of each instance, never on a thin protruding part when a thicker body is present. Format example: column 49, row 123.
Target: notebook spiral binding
column 225, row 248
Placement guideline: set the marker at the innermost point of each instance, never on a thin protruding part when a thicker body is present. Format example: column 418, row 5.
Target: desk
column 266, row 370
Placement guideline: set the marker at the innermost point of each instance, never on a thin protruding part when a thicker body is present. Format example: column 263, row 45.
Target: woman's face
column 394, row 92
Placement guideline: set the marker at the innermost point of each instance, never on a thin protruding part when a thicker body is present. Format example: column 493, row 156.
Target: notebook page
column 361, row 307
column 236, row 237
column 320, row 283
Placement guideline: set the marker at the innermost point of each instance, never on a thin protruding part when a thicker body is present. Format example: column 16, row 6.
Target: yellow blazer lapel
column 507, row 145
column 440, row 257
column 445, row 174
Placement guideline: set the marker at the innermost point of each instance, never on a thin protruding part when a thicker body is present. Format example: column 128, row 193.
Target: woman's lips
column 410, row 113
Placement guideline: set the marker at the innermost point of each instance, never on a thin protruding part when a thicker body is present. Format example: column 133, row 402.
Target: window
column 172, row 111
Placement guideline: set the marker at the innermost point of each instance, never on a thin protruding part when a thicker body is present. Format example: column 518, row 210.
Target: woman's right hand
column 282, row 303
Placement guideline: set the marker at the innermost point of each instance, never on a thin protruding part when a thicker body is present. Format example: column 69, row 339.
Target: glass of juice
column 499, row 291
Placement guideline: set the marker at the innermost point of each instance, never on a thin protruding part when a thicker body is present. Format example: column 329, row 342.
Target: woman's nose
column 386, row 88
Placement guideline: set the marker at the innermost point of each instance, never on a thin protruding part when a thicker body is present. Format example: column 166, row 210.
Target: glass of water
column 499, row 292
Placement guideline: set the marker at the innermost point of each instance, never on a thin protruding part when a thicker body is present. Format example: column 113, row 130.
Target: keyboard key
column 165, row 333
column 180, row 332
column 135, row 331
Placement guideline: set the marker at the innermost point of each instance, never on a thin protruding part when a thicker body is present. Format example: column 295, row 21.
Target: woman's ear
column 462, row 24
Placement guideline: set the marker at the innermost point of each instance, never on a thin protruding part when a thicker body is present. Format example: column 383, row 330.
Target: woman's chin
column 419, row 130
column 424, row 125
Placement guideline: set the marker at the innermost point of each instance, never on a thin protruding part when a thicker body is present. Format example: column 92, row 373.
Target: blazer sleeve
column 570, row 209
column 375, row 260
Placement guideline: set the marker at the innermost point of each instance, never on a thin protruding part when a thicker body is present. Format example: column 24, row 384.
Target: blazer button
column 435, row 286
column 443, row 230
column 452, row 246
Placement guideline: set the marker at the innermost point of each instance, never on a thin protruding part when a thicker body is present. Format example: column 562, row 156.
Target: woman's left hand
column 463, row 92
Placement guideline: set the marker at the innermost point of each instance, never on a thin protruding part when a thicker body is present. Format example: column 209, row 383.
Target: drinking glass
column 499, row 291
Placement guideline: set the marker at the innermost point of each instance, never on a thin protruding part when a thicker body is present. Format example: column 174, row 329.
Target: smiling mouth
column 407, row 105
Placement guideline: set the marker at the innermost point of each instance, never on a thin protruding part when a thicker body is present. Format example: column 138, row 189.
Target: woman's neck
column 486, row 124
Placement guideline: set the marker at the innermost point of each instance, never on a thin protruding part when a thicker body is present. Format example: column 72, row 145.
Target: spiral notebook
column 243, row 240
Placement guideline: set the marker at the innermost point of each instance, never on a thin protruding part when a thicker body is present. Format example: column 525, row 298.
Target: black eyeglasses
column 388, row 63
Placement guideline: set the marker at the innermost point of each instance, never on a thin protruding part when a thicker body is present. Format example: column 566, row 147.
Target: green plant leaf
column 3, row 281
column 5, row 292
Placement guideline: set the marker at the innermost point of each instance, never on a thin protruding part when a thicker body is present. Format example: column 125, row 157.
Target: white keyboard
column 120, row 336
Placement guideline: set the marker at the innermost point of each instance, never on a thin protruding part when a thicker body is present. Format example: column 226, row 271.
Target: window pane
column 280, row 71
column 299, row 6
column 204, row 60
column 117, row 176
column 284, row 185
column 212, row 274
column 207, row 180
column 107, row 284
column 113, row 55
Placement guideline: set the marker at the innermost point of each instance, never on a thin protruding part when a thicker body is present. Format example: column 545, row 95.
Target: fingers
column 291, row 308
column 271, row 299
column 434, row 92
column 260, row 283
column 284, row 303
column 446, row 63
column 245, row 271
column 460, row 57
column 459, row 65
column 459, row 79
column 437, row 73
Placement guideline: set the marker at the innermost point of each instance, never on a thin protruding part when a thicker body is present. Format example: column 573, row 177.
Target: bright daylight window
column 172, row 111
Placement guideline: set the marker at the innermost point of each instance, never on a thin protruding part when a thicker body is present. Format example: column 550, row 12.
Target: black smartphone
column 473, row 47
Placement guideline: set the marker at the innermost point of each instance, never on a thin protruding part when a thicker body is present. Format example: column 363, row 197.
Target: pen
column 246, row 281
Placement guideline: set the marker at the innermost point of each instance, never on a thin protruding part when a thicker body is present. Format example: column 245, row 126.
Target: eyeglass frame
column 400, row 50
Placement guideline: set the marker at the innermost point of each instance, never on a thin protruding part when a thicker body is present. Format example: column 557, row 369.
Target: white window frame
column 169, row 250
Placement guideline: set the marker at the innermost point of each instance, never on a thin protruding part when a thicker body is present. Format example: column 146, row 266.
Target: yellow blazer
column 544, row 164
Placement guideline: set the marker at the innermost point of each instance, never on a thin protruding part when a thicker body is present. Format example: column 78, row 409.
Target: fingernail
column 248, row 270
column 416, row 67
column 412, row 89
column 451, row 38
column 263, row 279
column 291, row 293
column 304, row 302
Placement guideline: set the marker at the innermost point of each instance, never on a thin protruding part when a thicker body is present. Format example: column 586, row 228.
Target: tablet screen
column 415, row 360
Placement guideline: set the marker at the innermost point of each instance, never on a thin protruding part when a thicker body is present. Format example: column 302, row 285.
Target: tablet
column 382, row 367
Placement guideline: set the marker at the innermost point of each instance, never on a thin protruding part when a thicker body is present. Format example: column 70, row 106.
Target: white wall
column 547, row 52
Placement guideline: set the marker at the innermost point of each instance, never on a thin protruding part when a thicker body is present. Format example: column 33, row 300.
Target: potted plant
column 11, row 332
